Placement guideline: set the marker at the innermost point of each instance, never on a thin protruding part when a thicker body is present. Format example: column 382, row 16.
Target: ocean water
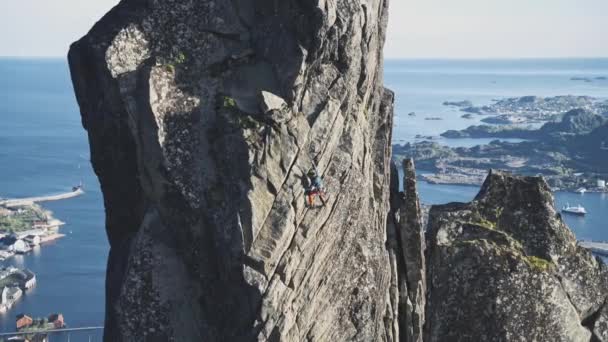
column 593, row 226
column 421, row 86
column 44, row 150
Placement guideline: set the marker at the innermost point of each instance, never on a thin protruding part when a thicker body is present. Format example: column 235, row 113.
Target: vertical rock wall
column 411, row 234
column 203, row 119
column 407, row 246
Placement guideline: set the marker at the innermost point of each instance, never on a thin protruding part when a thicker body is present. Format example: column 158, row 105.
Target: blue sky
column 498, row 28
column 417, row 28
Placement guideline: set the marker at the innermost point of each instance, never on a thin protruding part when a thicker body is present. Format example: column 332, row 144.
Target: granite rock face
column 203, row 119
column 409, row 248
column 506, row 268
column 406, row 241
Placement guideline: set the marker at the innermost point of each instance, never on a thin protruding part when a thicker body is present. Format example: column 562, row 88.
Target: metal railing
column 49, row 331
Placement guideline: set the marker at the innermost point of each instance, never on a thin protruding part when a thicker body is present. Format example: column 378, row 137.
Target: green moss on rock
column 229, row 102
column 539, row 264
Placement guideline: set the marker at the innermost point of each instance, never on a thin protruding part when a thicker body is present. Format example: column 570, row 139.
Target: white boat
column 581, row 190
column 578, row 210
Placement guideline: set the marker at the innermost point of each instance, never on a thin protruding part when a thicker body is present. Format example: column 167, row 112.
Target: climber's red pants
column 311, row 196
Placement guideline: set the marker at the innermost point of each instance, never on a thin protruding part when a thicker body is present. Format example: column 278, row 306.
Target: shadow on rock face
column 246, row 83
column 203, row 185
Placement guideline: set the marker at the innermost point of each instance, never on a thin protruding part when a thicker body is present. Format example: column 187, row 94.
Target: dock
column 599, row 248
column 19, row 202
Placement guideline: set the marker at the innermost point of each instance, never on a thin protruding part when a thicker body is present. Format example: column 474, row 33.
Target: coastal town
column 25, row 226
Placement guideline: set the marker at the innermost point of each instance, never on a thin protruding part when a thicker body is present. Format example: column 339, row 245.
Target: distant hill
column 591, row 150
column 575, row 122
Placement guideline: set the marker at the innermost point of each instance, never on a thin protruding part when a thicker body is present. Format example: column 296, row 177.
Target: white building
column 601, row 183
column 4, row 298
column 30, row 279
column 8, row 297
column 14, row 293
column 20, row 246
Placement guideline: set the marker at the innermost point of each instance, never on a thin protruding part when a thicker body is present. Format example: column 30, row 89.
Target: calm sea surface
column 422, row 86
column 44, row 150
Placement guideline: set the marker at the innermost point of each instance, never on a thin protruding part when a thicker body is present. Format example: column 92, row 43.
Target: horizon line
column 494, row 58
column 385, row 58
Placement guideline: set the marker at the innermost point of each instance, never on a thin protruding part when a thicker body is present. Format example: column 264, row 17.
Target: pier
column 19, row 202
column 600, row 248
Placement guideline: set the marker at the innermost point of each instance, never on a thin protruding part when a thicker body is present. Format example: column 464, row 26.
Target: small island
column 461, row 104
column 531, row 109
column 588, row 79
column 562, row 169
column 572, row 154
column 584, row 79
column 574, row 122
column 570, row 151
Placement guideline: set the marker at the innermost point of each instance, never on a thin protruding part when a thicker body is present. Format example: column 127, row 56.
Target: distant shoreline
column 389, row 59
column 476, row 185
column 498, row 59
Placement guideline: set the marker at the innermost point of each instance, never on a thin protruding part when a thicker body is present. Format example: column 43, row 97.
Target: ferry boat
column 581, row 191
column 578, row 210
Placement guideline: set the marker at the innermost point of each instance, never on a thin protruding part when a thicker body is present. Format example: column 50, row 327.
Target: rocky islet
column 532, row 109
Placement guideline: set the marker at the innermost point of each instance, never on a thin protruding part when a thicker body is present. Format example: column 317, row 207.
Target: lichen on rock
column 506, row 268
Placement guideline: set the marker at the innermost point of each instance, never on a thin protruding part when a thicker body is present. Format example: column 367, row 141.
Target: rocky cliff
column 506, row 268
column 406, row 246
column 203, row 119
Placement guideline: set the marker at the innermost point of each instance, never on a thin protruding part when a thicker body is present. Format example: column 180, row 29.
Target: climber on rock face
column 315, row 187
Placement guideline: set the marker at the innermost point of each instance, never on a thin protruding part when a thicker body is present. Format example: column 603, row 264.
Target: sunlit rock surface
column 203, row 119
column 506, row 268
